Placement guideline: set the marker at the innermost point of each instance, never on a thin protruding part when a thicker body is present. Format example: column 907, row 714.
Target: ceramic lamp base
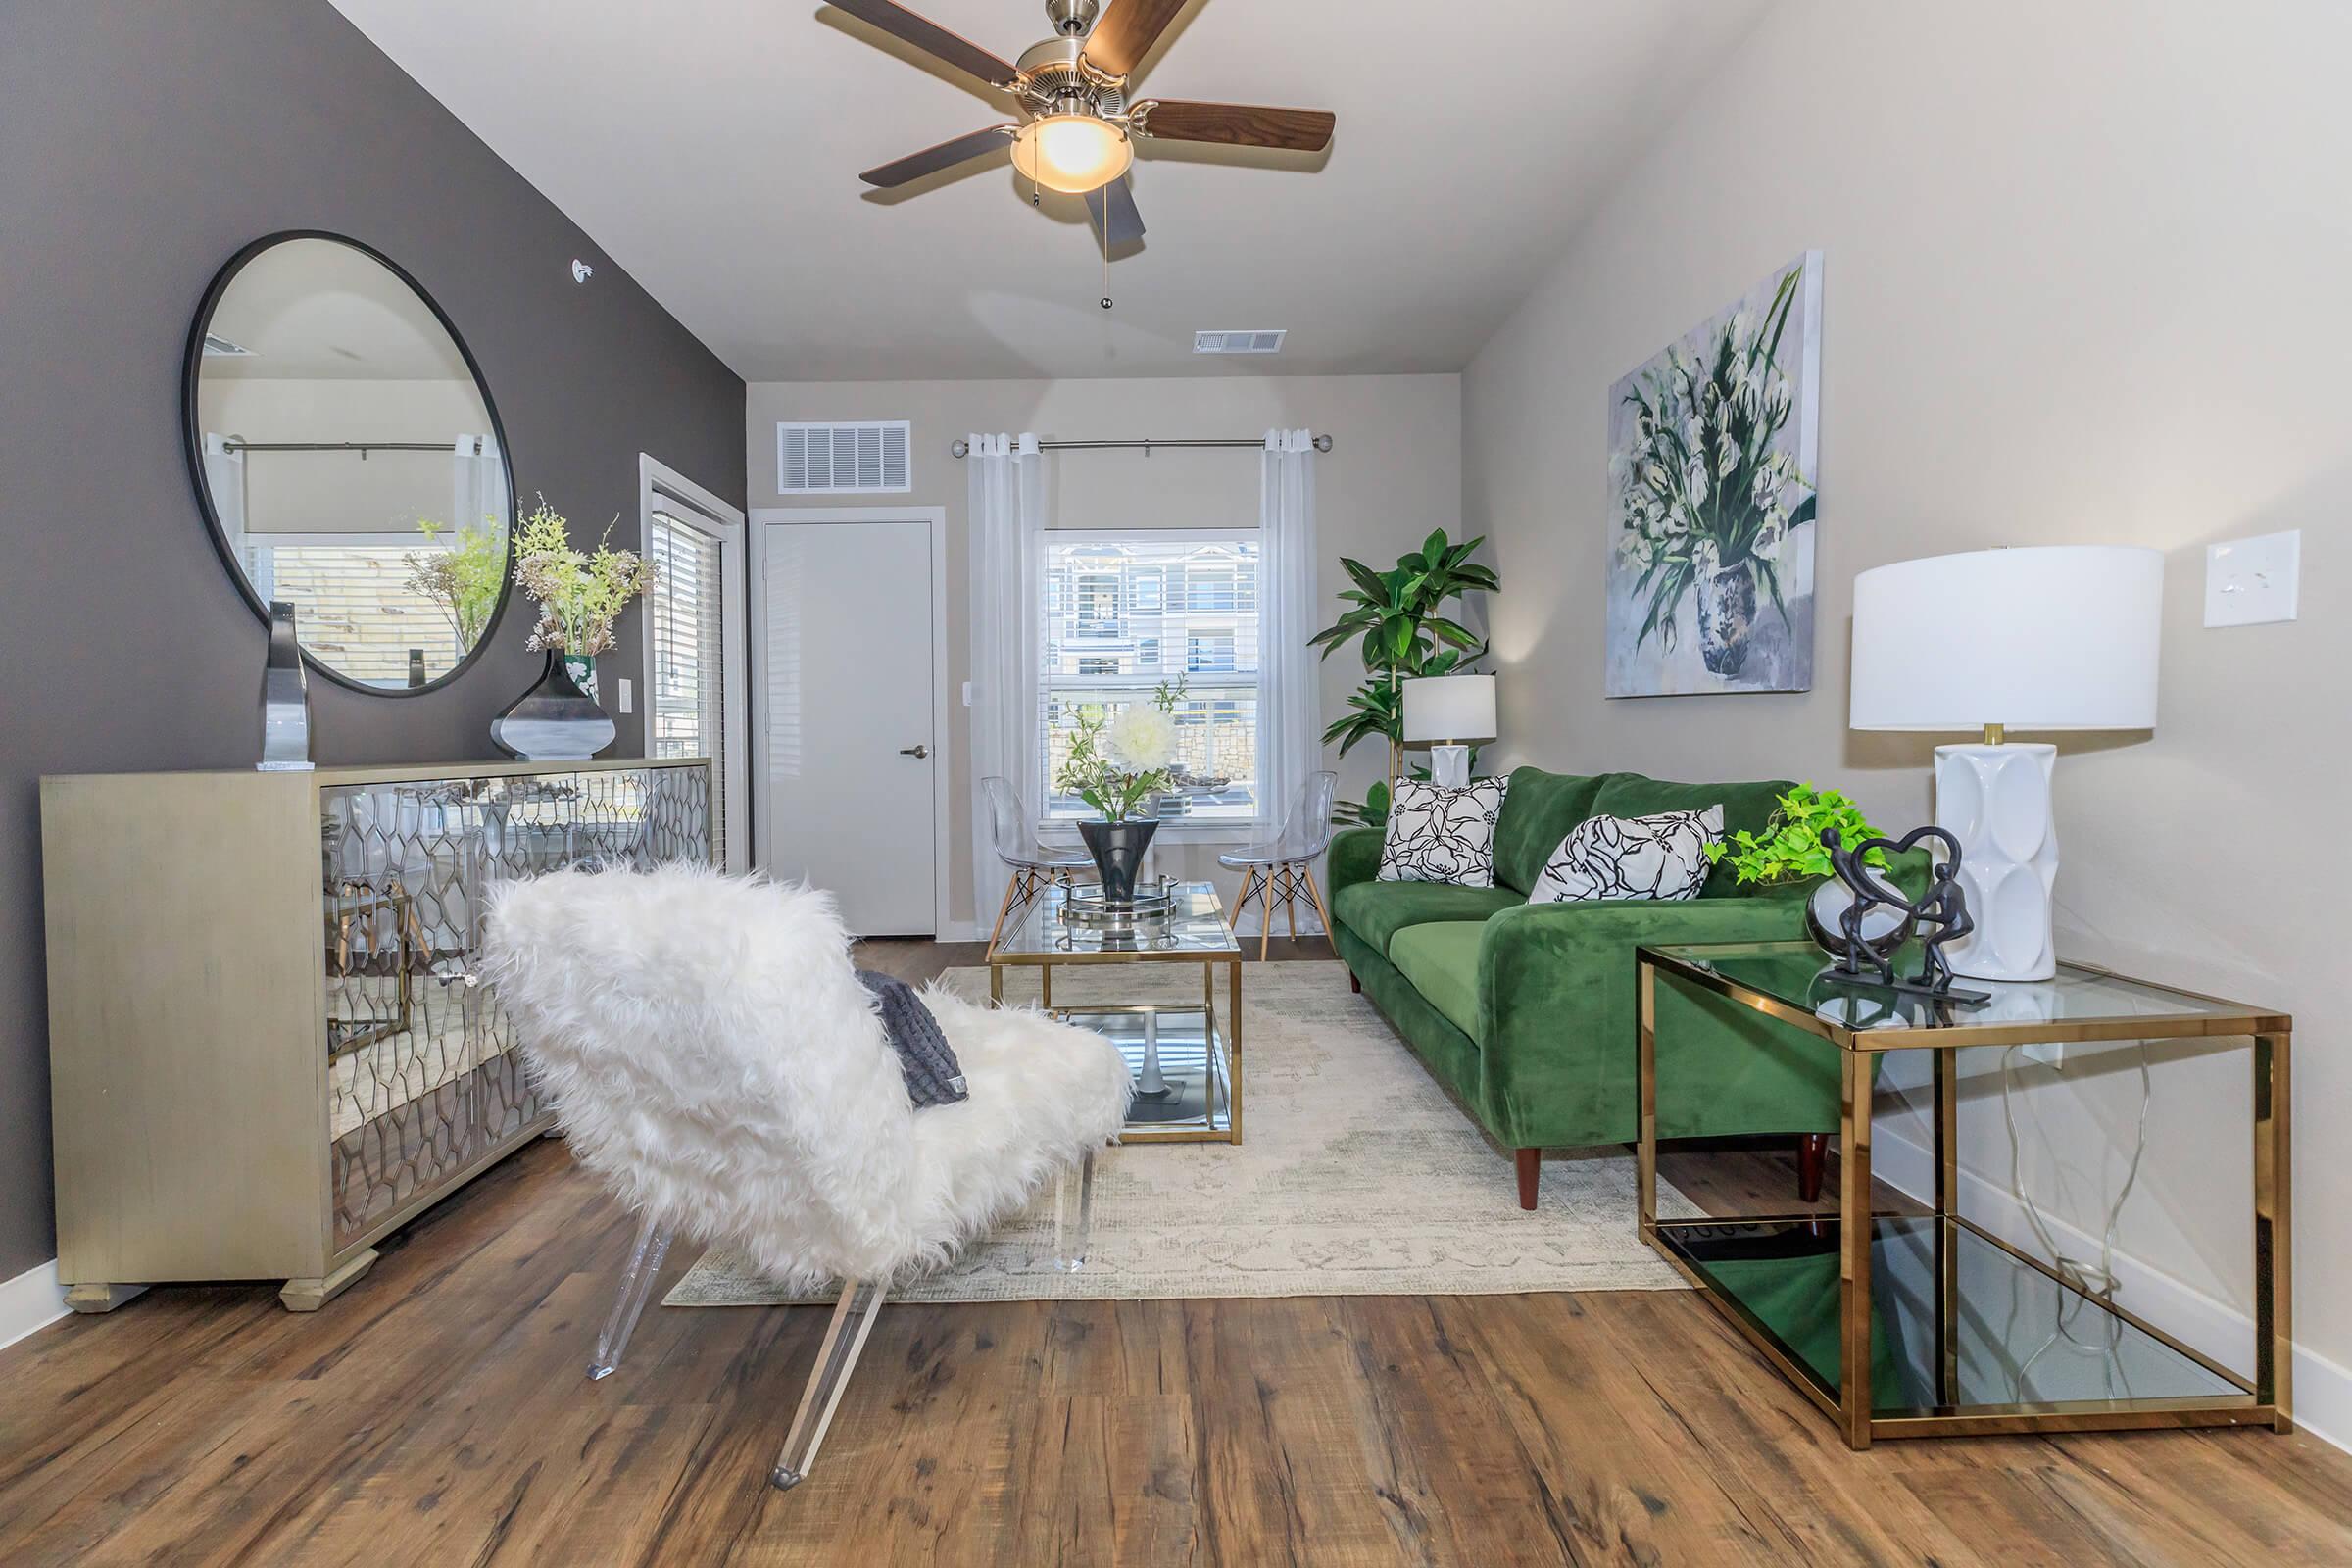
column 1450, row 767
column 1995, row 800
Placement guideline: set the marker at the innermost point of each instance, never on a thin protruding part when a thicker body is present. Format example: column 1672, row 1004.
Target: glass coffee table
column 1930, row 1325
column 1187, row 1063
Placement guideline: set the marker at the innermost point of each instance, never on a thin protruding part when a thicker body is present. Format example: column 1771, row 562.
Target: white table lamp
column 2059, row 637
column 1449, row 713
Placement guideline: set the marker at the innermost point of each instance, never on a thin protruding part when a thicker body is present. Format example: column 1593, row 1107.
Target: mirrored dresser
column 269, row 1041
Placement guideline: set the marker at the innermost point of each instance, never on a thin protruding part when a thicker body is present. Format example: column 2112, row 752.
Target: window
column 1197, row 592
column 688, row 694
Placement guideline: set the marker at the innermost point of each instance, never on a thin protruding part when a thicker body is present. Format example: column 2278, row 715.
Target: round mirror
column 349, row 461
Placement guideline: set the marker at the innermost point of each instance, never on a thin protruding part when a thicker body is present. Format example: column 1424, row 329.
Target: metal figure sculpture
column 1937, row 917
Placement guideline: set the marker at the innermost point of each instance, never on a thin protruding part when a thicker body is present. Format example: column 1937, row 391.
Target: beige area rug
column 1357, row 1176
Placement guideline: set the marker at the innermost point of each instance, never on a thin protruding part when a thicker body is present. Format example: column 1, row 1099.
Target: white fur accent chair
column 714, row 1057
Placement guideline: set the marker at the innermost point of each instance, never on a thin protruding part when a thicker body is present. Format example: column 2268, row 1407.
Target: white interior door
column 848, row 708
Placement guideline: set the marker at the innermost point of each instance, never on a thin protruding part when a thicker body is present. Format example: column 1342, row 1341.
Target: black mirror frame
column 193, row 438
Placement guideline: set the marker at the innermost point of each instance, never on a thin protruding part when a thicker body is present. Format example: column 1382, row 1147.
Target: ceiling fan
column 1079, row 123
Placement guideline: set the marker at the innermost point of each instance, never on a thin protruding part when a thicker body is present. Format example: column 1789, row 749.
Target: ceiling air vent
column 1259, row 342
column 844, row 460
column 216, row 347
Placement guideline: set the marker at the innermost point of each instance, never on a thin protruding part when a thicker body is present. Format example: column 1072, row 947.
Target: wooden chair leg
column 1812, row 1164
column 1233, row 916
column 1314, row 896
column 1265, row 911
column 1014, row 887
column 1531, row 1174
column 1354, row 984
column 1289, row 899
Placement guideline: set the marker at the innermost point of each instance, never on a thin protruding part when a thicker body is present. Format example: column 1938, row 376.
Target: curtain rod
column 963, row 448
column 240, row 444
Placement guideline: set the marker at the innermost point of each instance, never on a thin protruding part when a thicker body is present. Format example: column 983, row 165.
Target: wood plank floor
column 437, row 1414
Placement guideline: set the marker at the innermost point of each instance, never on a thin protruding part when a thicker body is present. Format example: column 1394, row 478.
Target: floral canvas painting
column 1712, row 448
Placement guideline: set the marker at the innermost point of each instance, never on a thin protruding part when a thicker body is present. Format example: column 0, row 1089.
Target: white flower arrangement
column 1116, row 762
column 1703, row 490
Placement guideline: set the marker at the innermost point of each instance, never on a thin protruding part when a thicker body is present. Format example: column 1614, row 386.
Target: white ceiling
column 712, row 148
column 317, row 310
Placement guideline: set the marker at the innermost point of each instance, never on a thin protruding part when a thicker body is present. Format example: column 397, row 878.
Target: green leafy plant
column 579, row 595
column 1702, row 491
column 1394, row 618
column 463, row 579
column 1790, row 849
column 1115, row 763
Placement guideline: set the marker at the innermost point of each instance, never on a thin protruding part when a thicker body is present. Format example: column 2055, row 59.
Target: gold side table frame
column 1198, row 935
column 2263, row 1399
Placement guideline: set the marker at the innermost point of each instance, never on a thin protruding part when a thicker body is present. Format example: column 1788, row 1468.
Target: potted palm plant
column 1393, row 617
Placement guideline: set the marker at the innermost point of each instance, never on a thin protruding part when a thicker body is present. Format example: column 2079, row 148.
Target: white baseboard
column 30, row 1301
column 2322, row 1390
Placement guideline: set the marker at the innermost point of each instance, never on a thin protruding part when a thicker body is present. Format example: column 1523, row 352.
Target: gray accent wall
column 140, row 146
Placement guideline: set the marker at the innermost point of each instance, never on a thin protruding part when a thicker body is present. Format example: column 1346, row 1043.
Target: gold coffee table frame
column 2082, row 1006
column 1198, row 933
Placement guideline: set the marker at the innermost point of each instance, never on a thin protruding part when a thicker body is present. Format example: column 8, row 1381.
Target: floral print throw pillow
column 1441, row 835
column 1662, row 856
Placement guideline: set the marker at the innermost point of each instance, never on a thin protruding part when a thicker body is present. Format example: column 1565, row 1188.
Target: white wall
column 1394, row 474
column 2088, row 278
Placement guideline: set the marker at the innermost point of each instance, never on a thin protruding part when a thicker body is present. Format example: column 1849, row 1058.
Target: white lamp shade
column 2050, row 638
column 1449, row 708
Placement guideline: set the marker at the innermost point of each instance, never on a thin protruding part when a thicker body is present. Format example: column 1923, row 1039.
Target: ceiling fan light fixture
column 1073, row 153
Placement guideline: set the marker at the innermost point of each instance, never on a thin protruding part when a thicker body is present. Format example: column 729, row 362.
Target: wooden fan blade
column 1117, row 218
column 931, row 159
column 1305, row 131
column 1126, row 33
column 933, row 39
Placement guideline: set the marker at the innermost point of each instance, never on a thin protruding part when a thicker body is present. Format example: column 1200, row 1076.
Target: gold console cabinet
column 269, row 1041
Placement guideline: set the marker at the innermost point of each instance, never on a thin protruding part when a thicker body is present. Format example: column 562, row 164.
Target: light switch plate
column 2250, row 581
column 624, row 695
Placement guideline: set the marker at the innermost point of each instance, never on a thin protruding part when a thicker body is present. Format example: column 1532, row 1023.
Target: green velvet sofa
column 1527, row 1010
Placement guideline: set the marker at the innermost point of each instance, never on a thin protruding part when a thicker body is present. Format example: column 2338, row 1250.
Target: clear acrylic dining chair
column 1277, row 871
column 1035, row 867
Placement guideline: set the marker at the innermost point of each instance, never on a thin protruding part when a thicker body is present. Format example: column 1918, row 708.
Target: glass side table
column 1902, row 1326
column 1187, row 1064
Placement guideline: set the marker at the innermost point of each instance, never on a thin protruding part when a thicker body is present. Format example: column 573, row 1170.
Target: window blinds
column 685, row 712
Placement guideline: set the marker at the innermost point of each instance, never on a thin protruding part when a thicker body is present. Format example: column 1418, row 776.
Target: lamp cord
column 2096, row 1280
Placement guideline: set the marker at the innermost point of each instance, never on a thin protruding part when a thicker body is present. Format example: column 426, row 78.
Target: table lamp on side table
column 1449, row 713
column 2057, row 637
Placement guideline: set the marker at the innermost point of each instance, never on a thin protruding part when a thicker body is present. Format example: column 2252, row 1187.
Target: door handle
column 916, row 751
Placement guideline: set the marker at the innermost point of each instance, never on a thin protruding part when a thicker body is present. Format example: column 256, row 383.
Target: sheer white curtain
column 1290, row 728
column 1007, row 513
column 225, row 479
column 480, row 488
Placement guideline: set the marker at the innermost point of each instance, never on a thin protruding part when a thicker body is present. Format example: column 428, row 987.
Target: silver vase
column 285, row 698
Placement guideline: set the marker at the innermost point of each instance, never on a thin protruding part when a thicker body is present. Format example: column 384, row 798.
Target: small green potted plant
column 1117, row 762
column 1790, row 851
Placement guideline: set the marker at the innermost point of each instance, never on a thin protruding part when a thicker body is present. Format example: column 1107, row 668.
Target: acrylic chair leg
column 636, row 1288
column 844, row 1337
column 1074, row 1215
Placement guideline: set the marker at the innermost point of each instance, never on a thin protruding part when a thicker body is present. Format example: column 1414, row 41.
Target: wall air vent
column 1257, row 342
column 844, row 460
column 216, row 347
